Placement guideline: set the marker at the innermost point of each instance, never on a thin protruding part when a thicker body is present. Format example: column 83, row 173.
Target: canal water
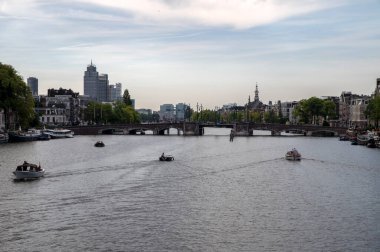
column 216, row 195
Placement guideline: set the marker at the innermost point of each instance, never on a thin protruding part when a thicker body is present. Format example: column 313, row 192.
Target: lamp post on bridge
column 197, row 113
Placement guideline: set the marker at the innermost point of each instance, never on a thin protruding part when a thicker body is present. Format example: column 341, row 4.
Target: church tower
column 256, row 94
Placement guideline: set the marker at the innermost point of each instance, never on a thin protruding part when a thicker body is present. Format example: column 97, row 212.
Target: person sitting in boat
column 163, row 155
column 24, row 166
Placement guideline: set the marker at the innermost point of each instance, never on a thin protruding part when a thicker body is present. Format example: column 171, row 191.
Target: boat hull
column 61, row 133
column 166, row 158
column 3, row 138
column 292, row 158
column 29, row 174
column 23, row 137
column 99, row 144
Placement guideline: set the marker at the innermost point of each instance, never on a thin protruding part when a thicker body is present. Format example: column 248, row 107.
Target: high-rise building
column 95, row 84
column 33, row 84
column 114, row 92
column 90, row 79
column 167, row 112
column 182, row 112
column 102, row 88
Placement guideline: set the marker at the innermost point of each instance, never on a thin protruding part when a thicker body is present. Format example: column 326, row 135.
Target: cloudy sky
column 208, row 51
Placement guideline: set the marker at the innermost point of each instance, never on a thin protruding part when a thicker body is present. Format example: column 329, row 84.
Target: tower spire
column 256, row 93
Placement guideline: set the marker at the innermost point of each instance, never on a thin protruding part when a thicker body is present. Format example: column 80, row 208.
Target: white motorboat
column 59, row 133
column 28, row 171
column 293, row 155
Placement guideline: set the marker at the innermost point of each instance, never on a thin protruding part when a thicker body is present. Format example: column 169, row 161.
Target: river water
column 216, row 196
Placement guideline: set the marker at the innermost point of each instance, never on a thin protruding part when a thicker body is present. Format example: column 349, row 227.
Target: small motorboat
column 166, row 158
column 99, row 144
column 293, row 155
column 28, row 171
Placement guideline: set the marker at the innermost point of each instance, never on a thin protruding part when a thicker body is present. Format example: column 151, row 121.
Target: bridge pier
column 242, row 129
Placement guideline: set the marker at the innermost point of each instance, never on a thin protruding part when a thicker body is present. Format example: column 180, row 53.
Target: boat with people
column 164, row 157
column 59, row 133
column 293, row 155
column 99, row 144
column 28, row 171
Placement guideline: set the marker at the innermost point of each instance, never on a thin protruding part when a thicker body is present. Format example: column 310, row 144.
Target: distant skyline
column 210, row 52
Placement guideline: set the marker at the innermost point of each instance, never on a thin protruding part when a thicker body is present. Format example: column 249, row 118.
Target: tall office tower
column 114, row 92
column 118, row 93
column 95, row 84
column 102, row 88
column 90, row 79
column 33, row 84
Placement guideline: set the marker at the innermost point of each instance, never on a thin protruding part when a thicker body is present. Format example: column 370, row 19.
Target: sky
column 210, row 52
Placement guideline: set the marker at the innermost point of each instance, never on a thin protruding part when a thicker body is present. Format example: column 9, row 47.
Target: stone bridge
column 197, row 129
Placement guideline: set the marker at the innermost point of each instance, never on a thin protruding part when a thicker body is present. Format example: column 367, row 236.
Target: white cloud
column 240, row 14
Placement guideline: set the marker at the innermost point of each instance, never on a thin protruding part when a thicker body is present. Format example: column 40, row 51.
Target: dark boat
column 371, row 143
column 344, row 138
column 166, row 158
column 30, row 135
column 99, row 144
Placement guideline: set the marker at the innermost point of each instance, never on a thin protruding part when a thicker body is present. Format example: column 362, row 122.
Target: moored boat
column 293, row 155
column 28, row 171
column 371, row 143
column 21, row 136
column 3, row 137
column 362, row 139
column 59, row 133
column 343, row 138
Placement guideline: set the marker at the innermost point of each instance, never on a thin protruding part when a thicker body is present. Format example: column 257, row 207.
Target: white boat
column 28, row 171
column 59, row 133
column 293, row 155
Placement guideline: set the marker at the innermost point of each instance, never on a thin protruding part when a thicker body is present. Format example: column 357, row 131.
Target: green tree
column 302, row 111
column 311, row 109
column 254, row 116
column 15, row 97
column 127, row 98
column 316, row 108
column 328, row 109
column 373, row 110
column 124, row 114
column 270, row 117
